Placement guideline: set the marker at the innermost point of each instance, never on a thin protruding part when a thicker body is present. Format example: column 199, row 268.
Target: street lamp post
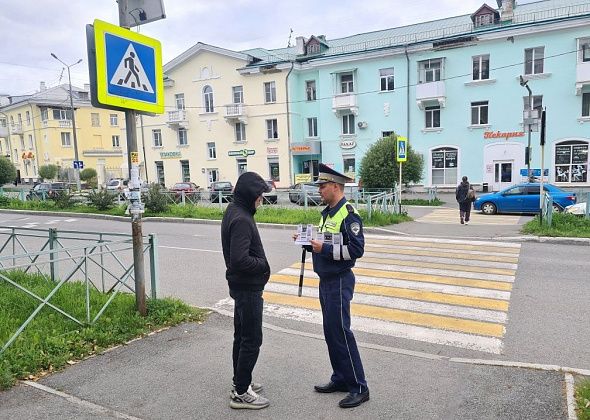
column 525, row 83
column 77, row 166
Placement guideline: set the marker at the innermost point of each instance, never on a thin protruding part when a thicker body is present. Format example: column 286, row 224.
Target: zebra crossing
column 446, row 215
column 440, row 291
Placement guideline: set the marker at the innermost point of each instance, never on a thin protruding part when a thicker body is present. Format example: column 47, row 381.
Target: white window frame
column 478, row 107
column 429, row 114
column 430, row 69
column 116, row 140
column 28, row 117
column 387, row 79
column 348, row 125
column 583, row 50
column 185, row 175
column 479, row 61
column 586, row 104
column 157, row 137
column 44, row 114
column 310, row 90
column 114, row 120
column 313, row 48
column 535, row 52
column 240, row 130
column 63, row 114
column 458, row 167
column 182, row 137
column 208, row 99
column 237, row 94
column 346, row 86
column 272, row 129
column 66, row 139
column 270, row 92
column 211, row 151
column 179, row 101
column 312, row 127
column 31, row 142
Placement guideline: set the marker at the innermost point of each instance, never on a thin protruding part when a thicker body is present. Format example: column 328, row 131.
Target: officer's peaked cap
column 328, row 174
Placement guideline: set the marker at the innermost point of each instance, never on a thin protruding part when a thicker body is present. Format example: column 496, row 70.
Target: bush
column 155, row 200
column 63, row 199
column 48, row 171
column 102, row 199
column 7, row 171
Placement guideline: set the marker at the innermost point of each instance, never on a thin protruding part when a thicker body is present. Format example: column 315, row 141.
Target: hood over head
column 249, row 187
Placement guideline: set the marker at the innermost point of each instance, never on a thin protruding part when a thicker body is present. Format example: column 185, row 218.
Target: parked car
column 191, row 191
column 298, row 192
column 522, row 198
column 45, row 190
column 225, row 188
column 270, row 197
column 577, row 209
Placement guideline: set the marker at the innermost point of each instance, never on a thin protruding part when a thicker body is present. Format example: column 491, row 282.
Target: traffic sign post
column 78, row 164
column 401, row 156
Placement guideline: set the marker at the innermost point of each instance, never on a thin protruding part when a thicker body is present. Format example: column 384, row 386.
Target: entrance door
column 311, row 167
column 242, row 166
column 502, row 175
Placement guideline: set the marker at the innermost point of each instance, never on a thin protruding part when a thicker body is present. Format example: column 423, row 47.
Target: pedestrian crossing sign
column 129, row 71
column 402, row 146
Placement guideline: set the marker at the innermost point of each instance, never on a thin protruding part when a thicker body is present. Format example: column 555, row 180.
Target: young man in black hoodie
column 247, row 273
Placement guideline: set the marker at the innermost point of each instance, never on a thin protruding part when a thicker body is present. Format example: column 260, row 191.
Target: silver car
column 298, row 193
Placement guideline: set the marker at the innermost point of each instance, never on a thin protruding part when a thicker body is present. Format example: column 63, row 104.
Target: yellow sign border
column 100, row 29
column 405, row 140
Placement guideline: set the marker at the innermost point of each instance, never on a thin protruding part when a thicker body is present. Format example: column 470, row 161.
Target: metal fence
column 103, row 261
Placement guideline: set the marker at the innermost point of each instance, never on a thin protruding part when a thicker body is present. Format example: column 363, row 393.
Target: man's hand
column 316, row 246
column 295, row 236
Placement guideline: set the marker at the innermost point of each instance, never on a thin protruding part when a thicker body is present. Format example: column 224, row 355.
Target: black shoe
column 331, row 387
column 354, row 399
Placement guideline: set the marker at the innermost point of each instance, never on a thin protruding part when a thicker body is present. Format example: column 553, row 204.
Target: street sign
column 402, row 149
column 242, row 153
column 135, row 158
column 78, row 164
column 534, row 172
column 129, row 72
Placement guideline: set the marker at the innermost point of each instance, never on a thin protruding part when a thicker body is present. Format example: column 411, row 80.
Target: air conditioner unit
column 362, row 124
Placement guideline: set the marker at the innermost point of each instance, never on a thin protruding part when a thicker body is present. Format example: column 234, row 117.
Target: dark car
column 270, row 197
column 223, row 188
column 191, row 191
column 523, row 198
column 46, row 190
column 299, row 192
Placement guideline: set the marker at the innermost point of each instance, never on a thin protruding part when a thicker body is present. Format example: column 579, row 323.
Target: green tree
column 88, row 175
column 48, row 171
column 379, row 169
column 7, row 171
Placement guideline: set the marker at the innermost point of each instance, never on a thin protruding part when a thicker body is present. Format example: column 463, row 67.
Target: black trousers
column 247, row 335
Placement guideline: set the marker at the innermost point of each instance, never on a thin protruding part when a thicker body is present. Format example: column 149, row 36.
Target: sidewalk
column 185, row 373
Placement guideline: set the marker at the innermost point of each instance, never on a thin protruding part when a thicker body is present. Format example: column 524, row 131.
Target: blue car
column 522, row 198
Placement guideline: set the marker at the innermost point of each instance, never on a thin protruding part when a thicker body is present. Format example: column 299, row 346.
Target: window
column 242, row 166
column 586, row 105
column 272, row 129
column 312, row 127
column 430, row 70
column 179, row 99
column 481, row 67
column 208, row 99
column 44, row 114
column 273, row 169
column 116, row 141
column 211, row 152
column 386, row 76
column 28, row 118
column 62, row 114
column 385, row 134
column 485, row 19
column 346, row 83
column 432, row 116
column 349, row 164
column 533, row 60
column 571, row 162
column 31, row 143
column 444, row 166
column 185, row 170
column 313, row 48
column 479, row 113
column 238, row 94
column 114, row 119
column 95, row 119
column 157, row 137
column 270, row 92
column 182, row 137
column 240, row 132
column 212, row 175
column 160, row 172
column 348, row 126
column 584, row 49
column 65, row 139
column 22, row 143
column 310, row 91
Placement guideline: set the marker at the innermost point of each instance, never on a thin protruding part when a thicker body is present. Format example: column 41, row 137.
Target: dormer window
column 483, row 20
column 485, row 16
column 313, row 48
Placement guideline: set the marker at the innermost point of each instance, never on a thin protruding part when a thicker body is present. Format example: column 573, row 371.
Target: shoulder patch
column 355, row 228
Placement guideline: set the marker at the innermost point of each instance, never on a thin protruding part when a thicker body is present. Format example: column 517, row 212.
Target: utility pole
column 525, row 83
column 76, row 159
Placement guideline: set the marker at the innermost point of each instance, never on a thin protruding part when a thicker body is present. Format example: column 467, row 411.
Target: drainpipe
column 291, row 177
column 35, row 148
column 407, row 93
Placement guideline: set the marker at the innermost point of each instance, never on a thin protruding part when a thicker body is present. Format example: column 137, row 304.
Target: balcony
column 430, row 94
column 345, row 103
column 235, row 113
column 177, row 119
column 16, row 129
column 582, row 76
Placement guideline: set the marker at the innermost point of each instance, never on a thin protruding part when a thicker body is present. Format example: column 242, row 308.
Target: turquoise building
column 457, row 88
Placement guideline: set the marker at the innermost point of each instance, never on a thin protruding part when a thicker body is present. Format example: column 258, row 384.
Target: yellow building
column 221, row 119
column 39, row 131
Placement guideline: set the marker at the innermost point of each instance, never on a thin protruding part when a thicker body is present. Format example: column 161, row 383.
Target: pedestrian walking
column 465, row 196
column 333, row 259
column 247, row 272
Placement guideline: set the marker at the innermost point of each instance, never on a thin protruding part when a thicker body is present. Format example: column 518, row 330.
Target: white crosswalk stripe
column 445, row 215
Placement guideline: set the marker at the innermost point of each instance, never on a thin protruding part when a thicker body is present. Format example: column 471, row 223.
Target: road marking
column 190, row 249
column 451, row 216
column 443, row 253
column 506, row 247
column 444, row 266
column 570, row 397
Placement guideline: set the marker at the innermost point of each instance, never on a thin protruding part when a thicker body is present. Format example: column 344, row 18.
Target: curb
column 372, row 230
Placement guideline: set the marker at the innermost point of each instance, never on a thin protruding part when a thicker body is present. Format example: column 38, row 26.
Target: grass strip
column 421, row 202
column 583, row 399
column 564, row 225
column 52, row 341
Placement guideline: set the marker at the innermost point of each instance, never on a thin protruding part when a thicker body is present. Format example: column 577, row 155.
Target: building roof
column 55, row 96
column 541, row 11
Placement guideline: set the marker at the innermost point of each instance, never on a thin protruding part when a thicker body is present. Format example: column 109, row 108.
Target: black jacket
column 462, row 191
column 247, row 267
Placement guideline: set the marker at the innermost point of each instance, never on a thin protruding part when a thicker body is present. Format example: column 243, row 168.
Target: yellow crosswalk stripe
column 473, row 302
column 425, row 253
column 444, row 245
column 397, row 315
column 440, row 266
column 428, row 278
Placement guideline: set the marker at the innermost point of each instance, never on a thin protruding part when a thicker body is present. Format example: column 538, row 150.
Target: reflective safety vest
column 333, row 224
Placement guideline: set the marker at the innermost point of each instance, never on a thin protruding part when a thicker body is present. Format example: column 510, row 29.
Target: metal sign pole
column 400, row 188
column 542, row 141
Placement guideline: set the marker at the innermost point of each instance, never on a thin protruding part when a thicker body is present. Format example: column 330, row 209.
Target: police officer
column 333, row 259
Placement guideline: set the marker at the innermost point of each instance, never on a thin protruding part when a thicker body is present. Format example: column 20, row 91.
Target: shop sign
column 502, row 135
column 241, row 153
column 272, row 150
column 311, row 148
column 347, row 144
column 170, row 155
column 301, row 178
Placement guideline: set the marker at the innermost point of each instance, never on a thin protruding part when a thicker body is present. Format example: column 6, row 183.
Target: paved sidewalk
column 185, row 373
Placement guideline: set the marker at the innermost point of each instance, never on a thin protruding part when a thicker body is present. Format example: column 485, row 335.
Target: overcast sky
column 32, row 29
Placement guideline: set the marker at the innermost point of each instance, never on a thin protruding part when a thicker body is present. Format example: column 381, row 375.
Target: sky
column 30, row 30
